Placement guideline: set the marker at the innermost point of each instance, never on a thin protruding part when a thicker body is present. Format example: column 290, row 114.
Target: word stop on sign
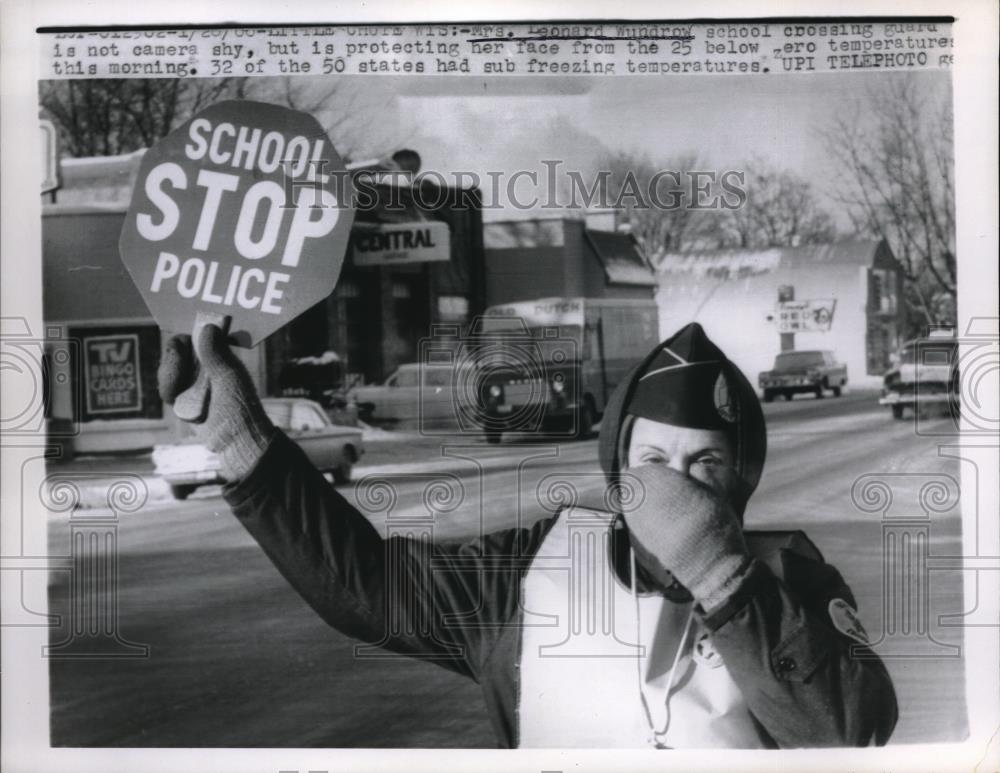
column 311, row 217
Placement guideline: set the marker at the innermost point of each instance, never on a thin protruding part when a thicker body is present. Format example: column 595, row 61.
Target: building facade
column 415, row 258
column 752, row 302
column 562, row 257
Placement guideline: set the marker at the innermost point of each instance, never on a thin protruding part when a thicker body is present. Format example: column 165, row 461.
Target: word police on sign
column 245, row 212
column 111, row 370
column 806, row 316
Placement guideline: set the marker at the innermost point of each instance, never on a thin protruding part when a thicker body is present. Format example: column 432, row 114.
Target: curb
column 130, row 492
column 126, row 493
column 441, row 464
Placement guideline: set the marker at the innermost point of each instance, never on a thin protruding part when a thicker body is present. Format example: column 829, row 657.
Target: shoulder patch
column 845, row 619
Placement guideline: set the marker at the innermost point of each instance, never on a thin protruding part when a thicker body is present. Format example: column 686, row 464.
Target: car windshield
column 437, row 377
column 515, row 327
column 930, row 353
column 507, row 342
column 294, row 416
column 791, row 360
column 404, row 377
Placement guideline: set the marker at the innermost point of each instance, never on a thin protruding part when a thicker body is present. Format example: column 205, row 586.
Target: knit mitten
column 684, row 529
column 235, row 425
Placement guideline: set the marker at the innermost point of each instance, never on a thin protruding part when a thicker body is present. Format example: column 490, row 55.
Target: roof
column 529, row 232
column 620, row 256
column 745, row 262
column 110, row 208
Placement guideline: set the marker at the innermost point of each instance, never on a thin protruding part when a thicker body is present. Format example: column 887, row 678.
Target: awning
column 620, row 256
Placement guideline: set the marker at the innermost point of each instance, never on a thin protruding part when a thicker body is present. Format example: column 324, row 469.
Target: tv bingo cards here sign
column 244, row 211
column 111, row 370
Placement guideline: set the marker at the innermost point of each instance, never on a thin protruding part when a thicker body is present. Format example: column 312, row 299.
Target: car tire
column 768, row 396
column 897, row 411
column 586, row 418
column 342, row 473
column 181, row 491
column 819, row 391
column 788, row 396
column 836, row 391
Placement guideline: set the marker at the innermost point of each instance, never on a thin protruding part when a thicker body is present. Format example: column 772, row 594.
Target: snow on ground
column 372, row 434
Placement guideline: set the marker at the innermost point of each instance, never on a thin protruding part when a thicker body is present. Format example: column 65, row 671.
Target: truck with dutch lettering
column 548, row 366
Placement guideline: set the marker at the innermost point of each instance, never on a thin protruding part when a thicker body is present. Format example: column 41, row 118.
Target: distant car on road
column 413, row 391
column 805, row 371
column 925, row 373
column 331, row 447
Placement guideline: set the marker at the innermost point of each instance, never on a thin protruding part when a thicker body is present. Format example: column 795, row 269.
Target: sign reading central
column 420, row 242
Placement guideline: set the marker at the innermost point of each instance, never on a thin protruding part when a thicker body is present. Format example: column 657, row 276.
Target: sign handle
column 192, row 404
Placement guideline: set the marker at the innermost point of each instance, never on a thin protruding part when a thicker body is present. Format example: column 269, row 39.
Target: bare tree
column 359, row 118
column 898, row 162
column 781, row 209
column 656, row 200
column 114, row 116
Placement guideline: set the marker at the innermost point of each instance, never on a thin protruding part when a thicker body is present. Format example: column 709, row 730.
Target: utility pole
column 786, row 293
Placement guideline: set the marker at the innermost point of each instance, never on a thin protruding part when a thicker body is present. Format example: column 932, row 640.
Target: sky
column 724, row 118
column 475, row 125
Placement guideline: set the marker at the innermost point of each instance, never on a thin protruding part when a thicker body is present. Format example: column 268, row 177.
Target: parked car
column 320, row 378
column 925, row 373
column 806, row 371
column 413, row 391
column 331, row 447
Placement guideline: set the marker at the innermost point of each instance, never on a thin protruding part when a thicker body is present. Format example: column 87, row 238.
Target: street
column 236, row 658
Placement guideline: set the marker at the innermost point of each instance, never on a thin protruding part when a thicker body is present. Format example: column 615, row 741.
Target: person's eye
column 651, row 459
column 709, row 460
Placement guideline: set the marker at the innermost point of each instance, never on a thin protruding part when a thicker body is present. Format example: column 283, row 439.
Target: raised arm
column 444, row 602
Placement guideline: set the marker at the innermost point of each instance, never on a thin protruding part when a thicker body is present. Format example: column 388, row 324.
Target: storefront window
column 114, row 372
column 453, row 308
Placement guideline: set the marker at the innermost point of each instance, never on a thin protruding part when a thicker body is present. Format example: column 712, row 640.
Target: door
column 400, row 395
column 436, row 395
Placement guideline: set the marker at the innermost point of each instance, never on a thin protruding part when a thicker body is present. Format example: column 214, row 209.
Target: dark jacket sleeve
column 443, row 602
column 807, row 684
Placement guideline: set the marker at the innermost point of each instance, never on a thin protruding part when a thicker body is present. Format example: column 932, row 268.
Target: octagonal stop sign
column 243, row 212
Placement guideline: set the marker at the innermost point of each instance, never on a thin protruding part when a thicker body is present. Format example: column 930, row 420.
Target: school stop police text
column 225, row 145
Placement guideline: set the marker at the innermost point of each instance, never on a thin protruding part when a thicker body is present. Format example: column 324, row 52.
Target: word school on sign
column 226, row 145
